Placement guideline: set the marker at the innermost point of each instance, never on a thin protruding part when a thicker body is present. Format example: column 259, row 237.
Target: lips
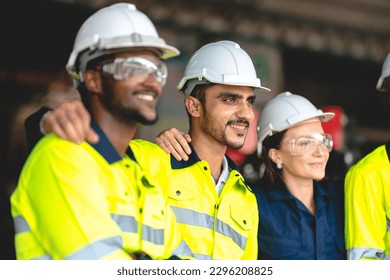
column 317, row 164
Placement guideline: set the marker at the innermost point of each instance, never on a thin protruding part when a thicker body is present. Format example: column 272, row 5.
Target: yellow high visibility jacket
column 86, row 202
column 367, row 202
column 214, row 227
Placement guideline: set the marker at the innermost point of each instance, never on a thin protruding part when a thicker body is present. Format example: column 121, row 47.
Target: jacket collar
column 193, row 159
column 106, row 149
column 280, row 191
column 321, row 195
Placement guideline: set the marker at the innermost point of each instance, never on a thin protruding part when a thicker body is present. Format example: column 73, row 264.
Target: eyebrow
column 233, row 94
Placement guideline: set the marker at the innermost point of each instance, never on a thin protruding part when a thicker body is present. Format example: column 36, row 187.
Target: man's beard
column 209, row 127
column 129, row 113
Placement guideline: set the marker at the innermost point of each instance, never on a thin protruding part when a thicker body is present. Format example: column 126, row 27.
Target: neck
column 209, row 150
column 303, row 190
column 120, row 133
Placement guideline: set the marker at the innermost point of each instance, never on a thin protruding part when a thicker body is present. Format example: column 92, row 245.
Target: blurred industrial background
column 330, row 51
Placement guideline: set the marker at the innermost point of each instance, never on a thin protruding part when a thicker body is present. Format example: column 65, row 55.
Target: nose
column 151, row 80
column 320, row 149
column 245, row 111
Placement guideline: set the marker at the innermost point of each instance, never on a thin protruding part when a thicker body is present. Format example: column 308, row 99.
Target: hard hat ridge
column 385, row 74
column 111, row 29
column 222, row 62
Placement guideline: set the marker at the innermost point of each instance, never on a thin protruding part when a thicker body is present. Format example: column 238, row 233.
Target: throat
column 216, row 174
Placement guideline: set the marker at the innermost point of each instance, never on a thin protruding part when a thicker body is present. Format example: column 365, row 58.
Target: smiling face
column 306, row 166
column 134, row 98
column 226, row 114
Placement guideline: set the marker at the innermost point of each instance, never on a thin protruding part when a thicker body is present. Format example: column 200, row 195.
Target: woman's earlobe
column 274, row 155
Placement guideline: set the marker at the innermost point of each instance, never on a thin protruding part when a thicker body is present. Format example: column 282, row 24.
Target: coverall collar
column 194, row 158
column 106, row 149
column 280, row 192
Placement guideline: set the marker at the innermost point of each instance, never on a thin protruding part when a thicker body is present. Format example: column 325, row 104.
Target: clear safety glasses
column 136, row 67
column 308, row 144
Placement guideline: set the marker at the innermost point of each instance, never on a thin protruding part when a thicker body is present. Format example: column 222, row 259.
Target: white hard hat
column 284, row 111
column 385, row 73
column 116, row 27
column 222, row 62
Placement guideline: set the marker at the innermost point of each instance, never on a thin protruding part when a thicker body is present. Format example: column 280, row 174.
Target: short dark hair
column 199, row 92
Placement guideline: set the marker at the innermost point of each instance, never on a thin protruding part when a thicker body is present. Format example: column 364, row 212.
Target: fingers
column 70, row 121
column 92, row 136
column 81, row 120
column 182, row 146
column 174, row 142
column 188, row 138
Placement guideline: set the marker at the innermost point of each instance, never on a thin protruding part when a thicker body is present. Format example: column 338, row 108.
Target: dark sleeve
column 174, row 258
column 31, row 126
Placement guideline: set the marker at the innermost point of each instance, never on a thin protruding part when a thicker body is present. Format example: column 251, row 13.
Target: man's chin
column 235, row 146
column 148, row 121
column 142, row 118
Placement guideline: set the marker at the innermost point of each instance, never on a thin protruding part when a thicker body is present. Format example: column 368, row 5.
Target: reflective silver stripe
column 43, row 258
column 129, row 224
column 358, row 253
column 226, row 230
column 126, row 223
column 191, row 217
column 201, row 257
column 21, row 224
column 183, row 250
column 98, row 249
column 155, row 236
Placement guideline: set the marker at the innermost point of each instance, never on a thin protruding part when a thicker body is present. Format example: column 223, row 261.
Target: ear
column 274, row 155
column 93, row 81
column 193, row 106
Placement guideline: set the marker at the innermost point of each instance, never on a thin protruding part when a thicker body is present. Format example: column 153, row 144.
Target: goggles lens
column 131, row 67
column 308, row 144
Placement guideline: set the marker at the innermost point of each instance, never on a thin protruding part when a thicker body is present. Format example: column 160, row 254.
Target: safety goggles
column 135, row 67
column 308, row 144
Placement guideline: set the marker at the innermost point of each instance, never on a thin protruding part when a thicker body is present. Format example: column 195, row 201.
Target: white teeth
column 238, row 126
column 145, row 97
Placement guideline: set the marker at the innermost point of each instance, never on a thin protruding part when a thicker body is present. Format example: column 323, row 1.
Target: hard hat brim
column 382, row 78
